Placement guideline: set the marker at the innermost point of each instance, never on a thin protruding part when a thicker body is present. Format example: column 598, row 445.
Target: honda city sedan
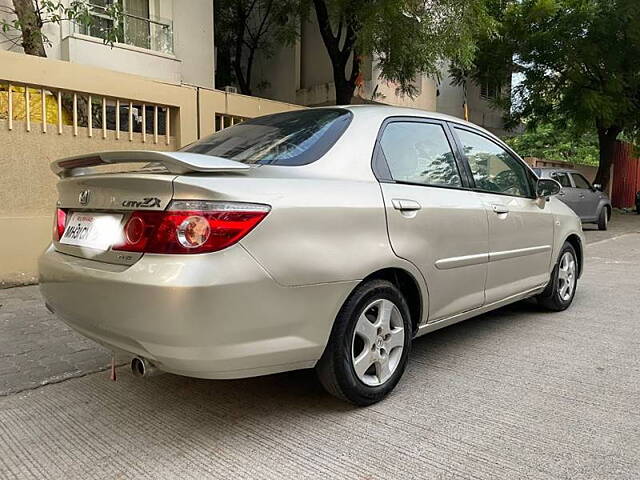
column 323, row 238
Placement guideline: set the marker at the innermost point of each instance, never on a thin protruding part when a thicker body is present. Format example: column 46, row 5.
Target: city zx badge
column 147, row 202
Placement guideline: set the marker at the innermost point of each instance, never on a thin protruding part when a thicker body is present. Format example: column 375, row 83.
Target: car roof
column 384, row 111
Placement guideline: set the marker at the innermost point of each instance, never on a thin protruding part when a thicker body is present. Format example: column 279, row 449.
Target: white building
column 167, row 40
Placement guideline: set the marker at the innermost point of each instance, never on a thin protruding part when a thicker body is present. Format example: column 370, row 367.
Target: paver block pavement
column 37, row 348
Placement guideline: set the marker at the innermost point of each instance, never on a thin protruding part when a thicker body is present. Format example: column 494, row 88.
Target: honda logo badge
column 84, row 196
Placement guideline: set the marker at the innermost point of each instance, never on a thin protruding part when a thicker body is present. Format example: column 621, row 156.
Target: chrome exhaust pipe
column 141, row 367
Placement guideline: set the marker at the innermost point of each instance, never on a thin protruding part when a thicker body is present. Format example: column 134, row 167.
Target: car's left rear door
column 588, row 199
column 434, row 220
column 520, row 226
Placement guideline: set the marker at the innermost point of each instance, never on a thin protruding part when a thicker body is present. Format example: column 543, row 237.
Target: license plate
column 93, row 230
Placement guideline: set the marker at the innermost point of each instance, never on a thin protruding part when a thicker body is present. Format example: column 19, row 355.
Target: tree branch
column 349, row 41
column 331, row 42
column 264, row 19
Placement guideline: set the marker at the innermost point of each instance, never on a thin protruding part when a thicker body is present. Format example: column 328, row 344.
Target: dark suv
column 589, row 203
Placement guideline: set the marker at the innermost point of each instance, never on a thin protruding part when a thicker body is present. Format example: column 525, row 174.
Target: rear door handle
column 405, row 205
column 500, row 209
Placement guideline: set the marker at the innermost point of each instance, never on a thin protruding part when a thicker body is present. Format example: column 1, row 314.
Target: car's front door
column 567, row 194
column 433, row 219
column 588, row 198
column 520, row 226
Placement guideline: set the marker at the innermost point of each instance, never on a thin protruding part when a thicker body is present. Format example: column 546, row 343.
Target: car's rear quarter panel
column 216, row 315
column 319, row 229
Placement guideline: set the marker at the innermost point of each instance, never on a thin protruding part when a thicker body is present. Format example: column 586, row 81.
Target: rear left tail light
column 191, row 227
column 59, row 224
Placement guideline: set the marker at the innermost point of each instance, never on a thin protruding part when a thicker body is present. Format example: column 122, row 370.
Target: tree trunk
column 339, row 49
column 344, row 88
column 31, row 25
column 607, row 144
column 239, row 32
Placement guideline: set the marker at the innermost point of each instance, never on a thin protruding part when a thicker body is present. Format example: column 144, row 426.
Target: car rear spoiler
column 174, row 162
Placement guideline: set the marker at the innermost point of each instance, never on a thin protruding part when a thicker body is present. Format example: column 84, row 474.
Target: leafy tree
column 493, row 62
column 245, row 27
column 580, row 61
column 22, row 22
column 405, row 37
column 548, row 142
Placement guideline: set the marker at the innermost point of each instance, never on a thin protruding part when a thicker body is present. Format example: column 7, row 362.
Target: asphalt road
column 517, row 393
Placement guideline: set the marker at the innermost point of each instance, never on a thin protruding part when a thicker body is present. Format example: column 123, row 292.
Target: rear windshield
column 291, row 138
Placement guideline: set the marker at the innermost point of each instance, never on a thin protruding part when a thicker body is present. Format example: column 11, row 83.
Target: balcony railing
column 153, row 33
column 97, row 114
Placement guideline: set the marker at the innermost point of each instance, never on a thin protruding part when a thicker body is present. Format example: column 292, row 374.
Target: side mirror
column 545, row 187
column 597, row 186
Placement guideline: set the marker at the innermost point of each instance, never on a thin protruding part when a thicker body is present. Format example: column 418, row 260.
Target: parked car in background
column 324, row 238
column 588, row 201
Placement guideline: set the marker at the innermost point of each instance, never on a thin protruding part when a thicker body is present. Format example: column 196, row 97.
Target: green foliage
column 493, row 61
column 43, row 12
column 548, row 142
column 581, row 62
column 406, row 38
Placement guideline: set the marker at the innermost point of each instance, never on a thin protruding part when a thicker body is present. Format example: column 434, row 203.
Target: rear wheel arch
column 576, row 243
column 408, row 286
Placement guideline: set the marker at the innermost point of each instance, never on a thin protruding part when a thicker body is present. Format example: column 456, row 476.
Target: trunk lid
column 118, row 194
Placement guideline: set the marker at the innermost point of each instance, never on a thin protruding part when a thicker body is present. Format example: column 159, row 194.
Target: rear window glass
column 562, row 178
column 291, row 138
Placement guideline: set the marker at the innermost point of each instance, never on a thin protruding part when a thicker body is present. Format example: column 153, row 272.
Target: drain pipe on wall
column 198, row 112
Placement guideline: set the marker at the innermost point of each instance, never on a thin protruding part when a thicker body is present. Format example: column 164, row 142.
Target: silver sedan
column 324, row 238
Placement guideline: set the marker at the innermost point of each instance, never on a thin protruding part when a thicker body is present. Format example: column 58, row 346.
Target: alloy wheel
column 566, row 276
column 378, row 342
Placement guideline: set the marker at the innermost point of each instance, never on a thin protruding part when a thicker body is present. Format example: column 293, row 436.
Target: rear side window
column 420, row 153
column 291, row 138
column 562, row 178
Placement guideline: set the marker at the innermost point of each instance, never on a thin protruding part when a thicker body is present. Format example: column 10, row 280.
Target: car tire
column 603, row 219
column 564, row 279
column 373, row 326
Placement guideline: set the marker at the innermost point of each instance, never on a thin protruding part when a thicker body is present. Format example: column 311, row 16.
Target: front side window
column 493, row 168
column 290, row 138
column 419, row 153
column 580, row 181
column 562, row 178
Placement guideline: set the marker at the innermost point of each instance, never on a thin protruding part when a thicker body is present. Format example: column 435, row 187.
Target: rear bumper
column 214, row 315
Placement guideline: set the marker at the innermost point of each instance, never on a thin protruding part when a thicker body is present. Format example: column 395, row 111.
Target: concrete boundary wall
column 27, row 185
